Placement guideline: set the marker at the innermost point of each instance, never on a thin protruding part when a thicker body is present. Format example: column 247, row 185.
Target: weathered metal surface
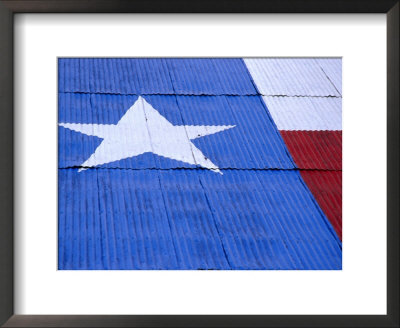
column 179, row 164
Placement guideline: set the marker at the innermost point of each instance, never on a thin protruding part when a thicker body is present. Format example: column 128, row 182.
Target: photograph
column 183, row 164
column 199, row 163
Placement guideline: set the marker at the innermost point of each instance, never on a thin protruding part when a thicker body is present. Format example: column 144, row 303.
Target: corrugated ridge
column 315, row 149
column 290, row 77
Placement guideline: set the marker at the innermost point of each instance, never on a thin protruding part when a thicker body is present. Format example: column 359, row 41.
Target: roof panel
column 114, row 75
column 305, row 113
column 191, row 219
column 103, row 221
column 290, row 77
column 186, row 76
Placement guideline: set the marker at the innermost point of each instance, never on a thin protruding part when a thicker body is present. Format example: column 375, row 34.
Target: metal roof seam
column 331, row 81
column 298, row 96
column 216, row 225
column 195, row 94
column 333, row 69
column 87, row 168
column 169, row 219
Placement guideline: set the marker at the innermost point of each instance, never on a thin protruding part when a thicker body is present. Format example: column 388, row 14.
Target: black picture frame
column 7, row 10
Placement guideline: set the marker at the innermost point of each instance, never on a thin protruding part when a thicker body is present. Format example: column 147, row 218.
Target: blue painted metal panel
column 114, row 75
column 113, row 219
column 187, row 76
column 191, row 219
column 210, row 76
column 254, row 142
column 269, row 220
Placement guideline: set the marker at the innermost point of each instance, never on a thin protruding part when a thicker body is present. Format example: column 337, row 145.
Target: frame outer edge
column 6, row 165
column 204, row 6
column 393, row 164
column 6, row 203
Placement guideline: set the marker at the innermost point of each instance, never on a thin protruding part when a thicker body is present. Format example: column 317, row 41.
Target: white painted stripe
column 305, row 113
column 290, row 77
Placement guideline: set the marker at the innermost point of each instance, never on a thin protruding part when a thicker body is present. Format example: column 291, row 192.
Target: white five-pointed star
column 143, row 129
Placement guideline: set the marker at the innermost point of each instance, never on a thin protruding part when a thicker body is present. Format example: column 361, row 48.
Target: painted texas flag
column 199, row 164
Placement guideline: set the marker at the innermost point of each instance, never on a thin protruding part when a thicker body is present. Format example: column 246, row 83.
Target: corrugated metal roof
column 190, row 219
column 326, row 186
column 293, row 76
column 315, row 149
column 183, row 76
column 166, row 206
column 254, row 142
column 305, row 113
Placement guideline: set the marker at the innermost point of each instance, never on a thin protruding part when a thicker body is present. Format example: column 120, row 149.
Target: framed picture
column 163, row 165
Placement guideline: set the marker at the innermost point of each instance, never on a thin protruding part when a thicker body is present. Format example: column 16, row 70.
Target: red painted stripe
column 326, row 187
column 315, row 149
